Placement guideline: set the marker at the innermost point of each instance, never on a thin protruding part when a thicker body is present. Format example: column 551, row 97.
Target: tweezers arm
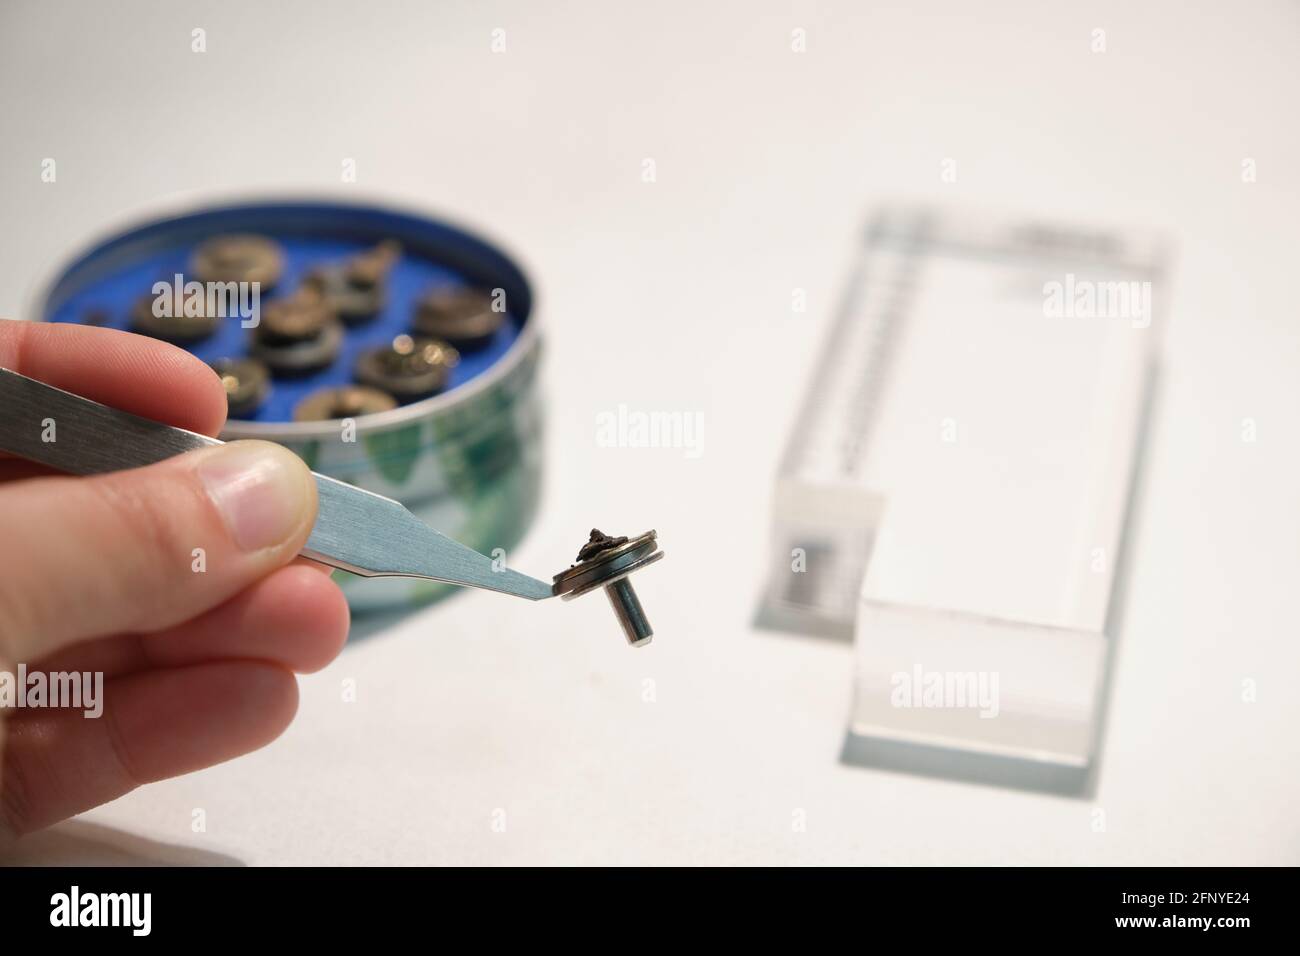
column 355, row 530
column 69, row 433
column 375, row 536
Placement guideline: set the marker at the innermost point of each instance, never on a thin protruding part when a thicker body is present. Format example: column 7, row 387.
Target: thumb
column 148, row 548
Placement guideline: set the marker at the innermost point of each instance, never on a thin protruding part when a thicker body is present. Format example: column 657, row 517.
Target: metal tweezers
column 356, row 530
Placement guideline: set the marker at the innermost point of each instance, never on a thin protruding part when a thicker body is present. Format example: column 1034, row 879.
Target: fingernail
column 263, row 491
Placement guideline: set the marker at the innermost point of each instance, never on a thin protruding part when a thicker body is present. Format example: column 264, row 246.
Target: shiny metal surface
column 609, row 570
column 356, row 530
column 630, row 614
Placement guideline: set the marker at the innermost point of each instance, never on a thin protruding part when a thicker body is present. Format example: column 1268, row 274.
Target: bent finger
column 294, row 617
column 154, row 725
column 132, row 372
column 145, row 549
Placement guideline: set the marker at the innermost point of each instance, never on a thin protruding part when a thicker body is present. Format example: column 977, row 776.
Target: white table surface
column 679, row 291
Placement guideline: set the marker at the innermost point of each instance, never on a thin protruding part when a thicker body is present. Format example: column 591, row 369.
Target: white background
column 676, row 295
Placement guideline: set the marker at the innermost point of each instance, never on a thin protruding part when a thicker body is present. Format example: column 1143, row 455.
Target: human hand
column 98, row 574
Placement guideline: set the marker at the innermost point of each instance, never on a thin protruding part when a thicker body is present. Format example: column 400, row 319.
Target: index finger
column 132, row 372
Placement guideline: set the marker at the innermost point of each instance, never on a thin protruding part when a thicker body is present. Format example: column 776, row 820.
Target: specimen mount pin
column 605, row 562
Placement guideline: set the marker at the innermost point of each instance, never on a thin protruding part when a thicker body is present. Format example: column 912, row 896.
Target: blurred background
column 486, row 730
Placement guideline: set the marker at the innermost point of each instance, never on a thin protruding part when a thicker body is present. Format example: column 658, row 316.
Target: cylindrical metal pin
column 627, row 607
column 605, row 562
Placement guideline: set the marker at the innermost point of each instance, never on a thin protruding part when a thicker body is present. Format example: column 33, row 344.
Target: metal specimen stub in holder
column 357, row 290
column 467, row 318
column 320, row 346
column 238, row 258
column 350, row 401
column 176, row 316
column 297, row 334
column 409, row 368
column 606, row 562
column 246, row 382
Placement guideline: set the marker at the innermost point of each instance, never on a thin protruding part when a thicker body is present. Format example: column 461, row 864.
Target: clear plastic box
column 957, row 489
